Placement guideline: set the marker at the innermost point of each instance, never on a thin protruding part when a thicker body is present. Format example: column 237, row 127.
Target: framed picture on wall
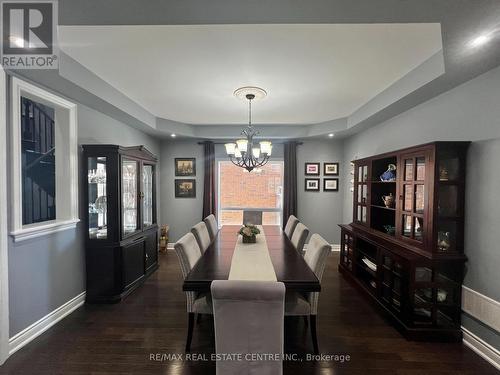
column 312, row 169
column 331, row 169
column 185, row 188
column 330, row 184
column 312, row 184
column 185, row 167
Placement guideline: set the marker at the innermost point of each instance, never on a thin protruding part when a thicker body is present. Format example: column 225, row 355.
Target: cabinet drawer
column 133, row 262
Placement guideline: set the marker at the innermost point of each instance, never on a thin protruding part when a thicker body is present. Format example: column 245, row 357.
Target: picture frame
column 185, row 188
column 312, row 184
column 185, row 167
column 312, row 169
column 331, row 184
column 331, row 169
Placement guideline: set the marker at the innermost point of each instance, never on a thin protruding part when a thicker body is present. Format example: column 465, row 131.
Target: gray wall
column 180, row 213
column 320, row 211
column 48, row 271
column 468, row 112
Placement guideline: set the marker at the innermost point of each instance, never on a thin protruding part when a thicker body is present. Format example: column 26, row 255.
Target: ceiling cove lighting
column 246, row 153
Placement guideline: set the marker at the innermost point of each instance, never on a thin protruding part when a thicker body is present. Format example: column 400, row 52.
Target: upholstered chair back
column 252, row 217
column 248, row 319
column 212, row 226
column 201, row 234
column 189, row 253
column 290, row 225
column 299, row 237
column 317, row 251
column 316, row 255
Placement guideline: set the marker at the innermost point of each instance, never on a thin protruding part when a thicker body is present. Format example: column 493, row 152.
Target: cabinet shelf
column 383, row 207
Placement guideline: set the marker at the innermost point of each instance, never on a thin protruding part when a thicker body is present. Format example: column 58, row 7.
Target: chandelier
column 246, row 153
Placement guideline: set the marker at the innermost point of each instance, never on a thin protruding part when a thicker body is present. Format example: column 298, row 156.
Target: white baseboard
column 36, row 329
column 487, row 311
column 482, row 348
column 481, row 307
column 170, row 245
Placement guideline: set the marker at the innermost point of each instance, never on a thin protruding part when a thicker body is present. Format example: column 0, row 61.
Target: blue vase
column 389, row 174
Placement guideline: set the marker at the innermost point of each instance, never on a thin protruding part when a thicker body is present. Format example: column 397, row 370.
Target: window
column 45, row 165
column 38, row 162
column 261, row 191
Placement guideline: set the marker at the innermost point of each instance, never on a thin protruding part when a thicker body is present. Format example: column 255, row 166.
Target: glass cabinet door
column 361, row 191
column 98, row 205
column 147, row 195
column 413, row 195
column 450, row 191
column 129, row 196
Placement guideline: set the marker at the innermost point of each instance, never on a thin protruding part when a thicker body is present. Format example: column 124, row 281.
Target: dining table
column 216, row 262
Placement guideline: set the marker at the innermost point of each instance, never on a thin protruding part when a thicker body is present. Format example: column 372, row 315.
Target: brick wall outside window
column 258, row 189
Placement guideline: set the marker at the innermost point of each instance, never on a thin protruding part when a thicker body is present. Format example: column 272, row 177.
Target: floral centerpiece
column 249, row 233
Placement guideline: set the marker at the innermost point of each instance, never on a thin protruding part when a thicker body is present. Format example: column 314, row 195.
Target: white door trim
column 4, row 276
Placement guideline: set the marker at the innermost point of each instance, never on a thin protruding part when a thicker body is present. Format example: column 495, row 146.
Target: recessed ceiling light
column 19, row 42
column 480, row 40
column 331, row 135
column 173, row 135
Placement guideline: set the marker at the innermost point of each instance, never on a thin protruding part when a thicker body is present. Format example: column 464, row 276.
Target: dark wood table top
column 289, row 265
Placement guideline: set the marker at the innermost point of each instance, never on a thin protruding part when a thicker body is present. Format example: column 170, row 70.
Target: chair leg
column 190, row 331
column 313, row 333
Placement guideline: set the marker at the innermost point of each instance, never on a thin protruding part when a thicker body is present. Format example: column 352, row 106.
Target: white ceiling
column 312, row 73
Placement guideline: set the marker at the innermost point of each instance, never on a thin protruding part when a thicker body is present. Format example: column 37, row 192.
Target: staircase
column 38, row 162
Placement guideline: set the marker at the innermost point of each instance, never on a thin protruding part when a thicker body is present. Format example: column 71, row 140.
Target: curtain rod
column 274, row 143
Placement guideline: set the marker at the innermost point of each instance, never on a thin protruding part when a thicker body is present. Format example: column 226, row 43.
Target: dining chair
column 299, row 237
column 297, row 304
column 290, row 225
column 202, row 236
column 248, row 317
column 252, row 217
column 189, row 253
column 212, row 226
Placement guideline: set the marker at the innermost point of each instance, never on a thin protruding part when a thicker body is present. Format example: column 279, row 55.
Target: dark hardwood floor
column 120, row 339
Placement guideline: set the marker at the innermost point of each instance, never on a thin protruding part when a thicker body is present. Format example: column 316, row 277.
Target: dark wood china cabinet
column 121, row 237
column 405, row 246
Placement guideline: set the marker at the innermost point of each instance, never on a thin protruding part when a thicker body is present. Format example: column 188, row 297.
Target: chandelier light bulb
column 230, row 148
column 265, row 147
column 242, row 145
column 256, row 152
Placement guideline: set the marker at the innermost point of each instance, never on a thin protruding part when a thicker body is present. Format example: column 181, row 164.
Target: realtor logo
column 29, row 35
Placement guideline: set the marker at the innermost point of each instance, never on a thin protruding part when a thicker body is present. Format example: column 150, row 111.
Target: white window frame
column 66, row 181
column 266, row 209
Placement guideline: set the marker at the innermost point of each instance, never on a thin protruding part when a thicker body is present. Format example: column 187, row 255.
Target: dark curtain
column 209, row 179
column 290, row 181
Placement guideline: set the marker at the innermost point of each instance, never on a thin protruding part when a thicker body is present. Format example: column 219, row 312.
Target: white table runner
column 251, row 261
